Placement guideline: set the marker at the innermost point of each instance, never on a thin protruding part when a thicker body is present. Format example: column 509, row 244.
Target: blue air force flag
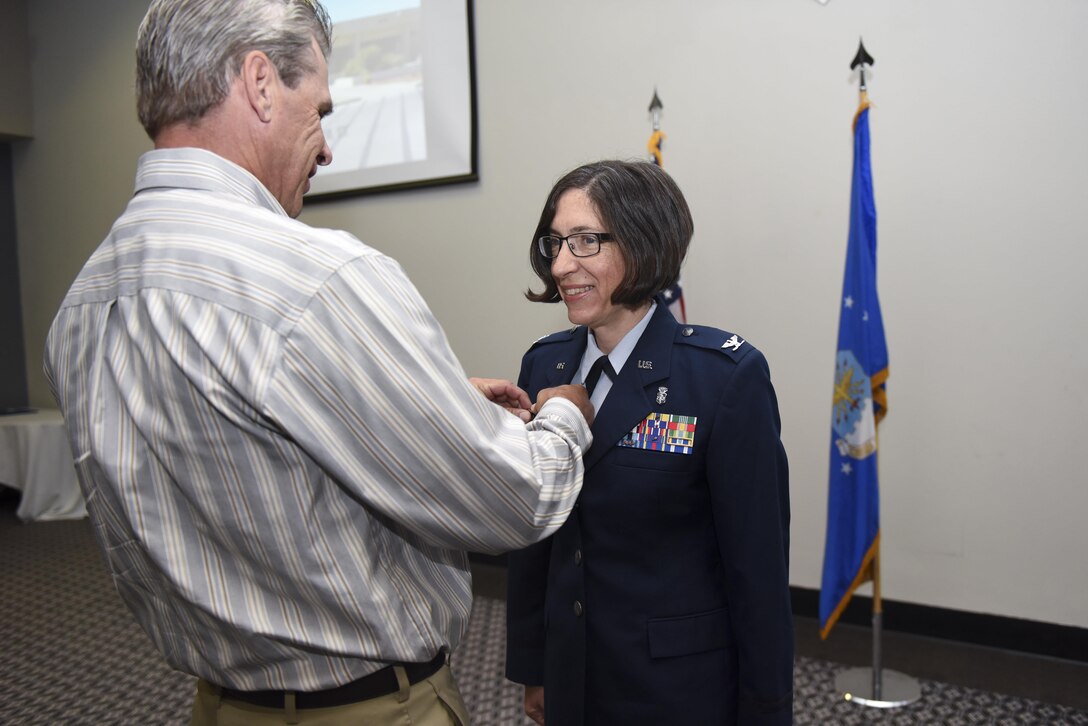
column 858, row 403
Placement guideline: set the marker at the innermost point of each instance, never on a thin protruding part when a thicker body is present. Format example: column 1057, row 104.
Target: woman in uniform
column 664, row 598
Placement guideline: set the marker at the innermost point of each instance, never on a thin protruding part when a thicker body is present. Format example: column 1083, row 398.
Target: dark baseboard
column 990, row 631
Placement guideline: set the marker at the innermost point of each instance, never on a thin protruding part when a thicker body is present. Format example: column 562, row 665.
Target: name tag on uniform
column 667, row 432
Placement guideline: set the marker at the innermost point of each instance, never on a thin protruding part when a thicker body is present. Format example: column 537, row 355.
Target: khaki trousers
column 434, row 701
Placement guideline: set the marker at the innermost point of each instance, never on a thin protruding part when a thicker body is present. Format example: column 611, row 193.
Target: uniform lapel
column 565, row 358
column 630, row 400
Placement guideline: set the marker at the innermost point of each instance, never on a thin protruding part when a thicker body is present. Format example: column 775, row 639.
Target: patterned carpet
column 71, row 654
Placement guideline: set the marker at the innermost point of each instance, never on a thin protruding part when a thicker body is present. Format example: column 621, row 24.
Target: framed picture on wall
column 404, row 98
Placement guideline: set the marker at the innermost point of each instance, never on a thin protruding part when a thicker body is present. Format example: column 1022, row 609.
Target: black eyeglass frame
column 545, row 243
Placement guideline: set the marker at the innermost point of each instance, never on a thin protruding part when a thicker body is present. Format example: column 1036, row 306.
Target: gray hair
column 188, row 52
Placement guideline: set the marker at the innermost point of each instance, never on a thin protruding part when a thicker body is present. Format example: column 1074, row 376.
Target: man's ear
column 261, row 81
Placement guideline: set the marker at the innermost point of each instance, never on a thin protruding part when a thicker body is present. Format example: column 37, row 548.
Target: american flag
column 673, row 297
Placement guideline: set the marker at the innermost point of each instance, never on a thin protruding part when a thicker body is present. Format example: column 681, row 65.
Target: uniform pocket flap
column 688, row 634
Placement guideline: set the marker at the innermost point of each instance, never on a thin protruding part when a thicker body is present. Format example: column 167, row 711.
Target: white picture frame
column 404, row 97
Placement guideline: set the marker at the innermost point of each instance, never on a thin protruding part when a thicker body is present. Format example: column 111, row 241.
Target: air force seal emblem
column 852, row 417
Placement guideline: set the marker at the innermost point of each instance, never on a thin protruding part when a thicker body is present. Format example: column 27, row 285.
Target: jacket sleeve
column 526, row 587
column 749, row 483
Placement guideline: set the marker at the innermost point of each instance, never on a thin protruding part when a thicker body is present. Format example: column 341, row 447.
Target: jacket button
column 577, row 557
column 686, row 332
column 577, row 609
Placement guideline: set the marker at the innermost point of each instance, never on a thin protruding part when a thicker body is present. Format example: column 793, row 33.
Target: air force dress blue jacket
column 664, row 598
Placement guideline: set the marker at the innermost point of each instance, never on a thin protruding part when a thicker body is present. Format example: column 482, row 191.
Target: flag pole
column 878, row 627
column 673, row 297
column 875, row 687
column 658, row 136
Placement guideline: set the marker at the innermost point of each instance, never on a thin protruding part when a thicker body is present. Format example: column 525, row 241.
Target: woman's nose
column 564, row 262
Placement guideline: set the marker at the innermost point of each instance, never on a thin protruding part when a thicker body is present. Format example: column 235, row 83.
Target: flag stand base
column 896, row 689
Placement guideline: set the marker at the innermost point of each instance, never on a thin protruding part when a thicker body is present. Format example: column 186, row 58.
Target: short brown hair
column 643, row 209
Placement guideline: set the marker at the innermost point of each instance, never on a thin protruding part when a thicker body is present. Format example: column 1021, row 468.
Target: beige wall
column 75, row 175
column 980, row 160
column 15, row 102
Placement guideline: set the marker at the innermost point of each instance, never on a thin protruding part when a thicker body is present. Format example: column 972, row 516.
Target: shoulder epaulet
column 561, row 337
column 701, row 336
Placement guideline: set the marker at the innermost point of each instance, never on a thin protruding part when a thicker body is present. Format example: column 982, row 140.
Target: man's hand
column 506, row 394
column 534, row 703
column 576, row 394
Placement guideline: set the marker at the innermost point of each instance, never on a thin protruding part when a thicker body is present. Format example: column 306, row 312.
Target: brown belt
column 377, row 684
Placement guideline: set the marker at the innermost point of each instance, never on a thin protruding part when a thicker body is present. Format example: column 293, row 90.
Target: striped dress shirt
column 283, row 460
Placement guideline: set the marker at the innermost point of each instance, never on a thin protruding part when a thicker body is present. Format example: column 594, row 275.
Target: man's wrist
column 567, row 413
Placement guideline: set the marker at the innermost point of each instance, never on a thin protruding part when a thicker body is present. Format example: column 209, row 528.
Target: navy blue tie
column 600, row 365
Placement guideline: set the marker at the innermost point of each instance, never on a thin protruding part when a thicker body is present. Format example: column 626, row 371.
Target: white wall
column 980, row 162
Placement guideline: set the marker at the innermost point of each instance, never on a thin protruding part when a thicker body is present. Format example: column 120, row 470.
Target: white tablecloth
column 36, row 459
